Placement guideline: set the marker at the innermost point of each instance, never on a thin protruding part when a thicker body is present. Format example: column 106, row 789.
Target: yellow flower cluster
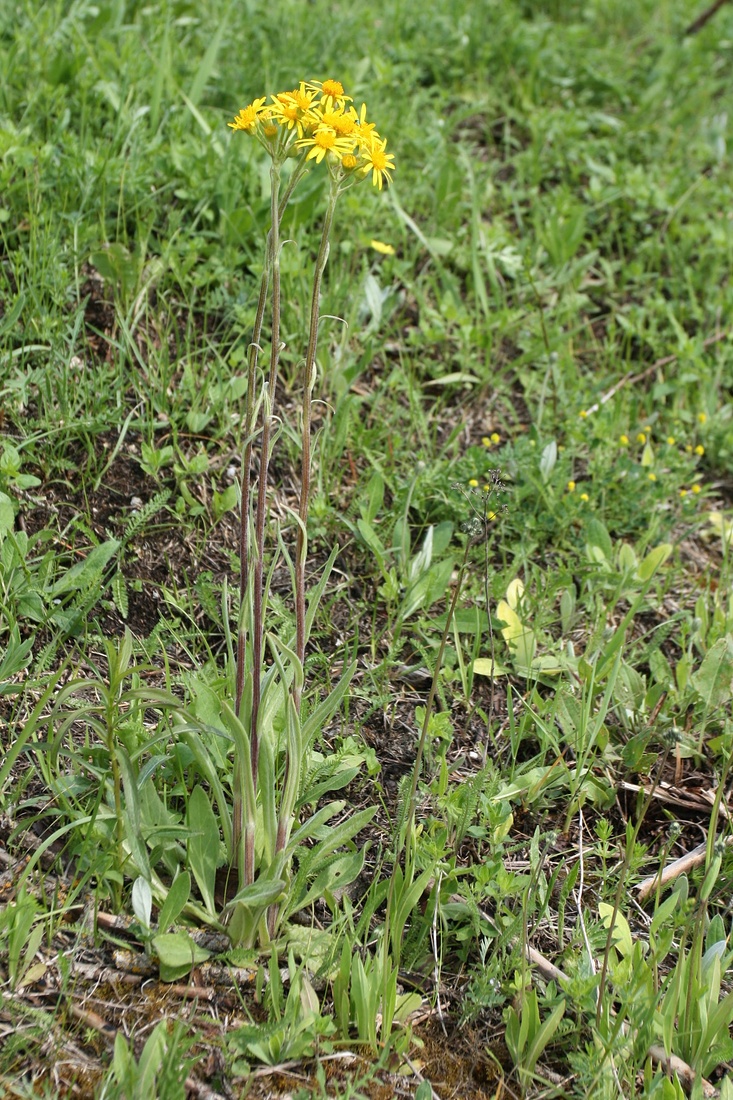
column 321, row 121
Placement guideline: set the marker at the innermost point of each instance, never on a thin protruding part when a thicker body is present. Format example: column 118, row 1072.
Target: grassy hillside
column 506, row 745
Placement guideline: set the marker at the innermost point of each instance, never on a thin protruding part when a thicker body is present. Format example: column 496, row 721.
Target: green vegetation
column 505, row 716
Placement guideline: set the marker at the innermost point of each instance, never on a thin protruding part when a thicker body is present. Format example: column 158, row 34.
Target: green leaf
column 653, row 560
column 203, row 845
column 224, row 502
column 7, row 514
column 621, row 935
column 178, row 954
column 598, row 541
column 81, row 575
column 119, row 593
column 713, row 680
column 175, row 900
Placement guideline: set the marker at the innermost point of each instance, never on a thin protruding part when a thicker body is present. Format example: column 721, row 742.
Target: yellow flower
column 377, row 161
column 584, row 497
column 683, row 492
column 495, row 438
column 623, row 440
column 325, row 141
column 333, row 88
column 349, row 162
column 302, row 96
column 699, row 450
column 702, row 417
column 485, row 441
column 367, row 130
column 652, row 476
column 491, row 515
column 332, row 91
column 582, row 414
column 641, row 438
column 247, row 117
column 671, row 440
column 378, row 246
column 571, row 486
column 647, row 428
column 285, row 110
column 688, row 448
column 697, row 488
column 473, row 483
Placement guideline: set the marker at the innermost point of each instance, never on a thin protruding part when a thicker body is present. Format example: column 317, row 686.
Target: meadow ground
column 510, row 870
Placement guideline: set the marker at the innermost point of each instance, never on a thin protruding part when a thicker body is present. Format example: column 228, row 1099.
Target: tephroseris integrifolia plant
column 314, row 124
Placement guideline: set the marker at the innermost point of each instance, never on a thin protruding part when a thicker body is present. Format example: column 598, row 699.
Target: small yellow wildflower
column 285, row 110
column 333, row 88
column 696, row 488
column 302, row 97
column 652, row 476
column 623, row 440
column 702, row 418
column 491, row 515
column 247, row 117
column 641, row 438
column 571, row 486
column 349, row 162
column 367, row 130
column 473, row 483
column 485, row 441
column 487, row 488
column 683, row 492
column 378, row 246
column 584, row 497
column 495, row 438
column 582, row 414
column 688, row 448
column 647, row 428
column 377, row 161
column 325, row 141
column 671, row 440
column 699, row 450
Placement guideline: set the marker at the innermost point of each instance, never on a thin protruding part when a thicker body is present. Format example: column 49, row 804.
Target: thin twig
column 631, row 379
column 699, row 23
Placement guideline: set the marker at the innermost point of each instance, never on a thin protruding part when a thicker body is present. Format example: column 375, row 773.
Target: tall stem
column 273, row 264
column 309, row 377
column 249, row 432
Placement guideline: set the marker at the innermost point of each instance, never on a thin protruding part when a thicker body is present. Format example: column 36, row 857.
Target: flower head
column 377, row 161
column 247, row 117
column 325, row 141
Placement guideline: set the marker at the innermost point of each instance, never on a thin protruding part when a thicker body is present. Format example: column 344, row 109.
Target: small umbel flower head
column 318, row 121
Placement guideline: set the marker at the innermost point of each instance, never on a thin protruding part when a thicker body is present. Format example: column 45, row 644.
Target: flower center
column 333, row 87
column 326, row 139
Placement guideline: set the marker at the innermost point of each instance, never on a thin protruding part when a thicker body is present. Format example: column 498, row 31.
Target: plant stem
column 273, row 263
column 245, row 501
column 309, row 377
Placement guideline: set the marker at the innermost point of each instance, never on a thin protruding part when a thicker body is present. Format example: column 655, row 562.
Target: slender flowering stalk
column 313, row 124
column 309, row 378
